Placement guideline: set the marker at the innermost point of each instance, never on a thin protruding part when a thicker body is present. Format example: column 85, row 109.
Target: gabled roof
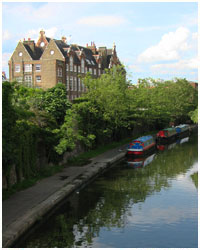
column 61, row 45
column 36, row 54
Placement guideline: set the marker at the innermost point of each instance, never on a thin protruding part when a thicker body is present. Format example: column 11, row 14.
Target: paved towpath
column 23, row 209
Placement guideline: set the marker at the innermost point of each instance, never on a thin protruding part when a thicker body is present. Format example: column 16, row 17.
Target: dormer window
column 71, row 63
column 82, row 65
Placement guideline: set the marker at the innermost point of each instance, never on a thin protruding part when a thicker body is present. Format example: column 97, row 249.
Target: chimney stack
column 64, row 39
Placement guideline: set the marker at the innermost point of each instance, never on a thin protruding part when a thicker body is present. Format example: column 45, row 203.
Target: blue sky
column 153, row 39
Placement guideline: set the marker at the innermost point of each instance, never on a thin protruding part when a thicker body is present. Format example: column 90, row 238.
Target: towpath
column 24, row 208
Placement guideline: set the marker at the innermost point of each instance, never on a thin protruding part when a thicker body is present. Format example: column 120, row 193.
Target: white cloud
column 5, row 57
column 135, row 68
column 168, row 48
column 195, row 35
column 102, row 21
column 34, row 33
column 6, row 35
column 181, row 65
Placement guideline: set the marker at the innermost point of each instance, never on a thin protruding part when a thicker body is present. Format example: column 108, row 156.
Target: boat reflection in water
column 138, row 162
column 162, row 147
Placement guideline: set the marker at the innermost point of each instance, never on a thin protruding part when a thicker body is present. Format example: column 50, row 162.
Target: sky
column 153, row 39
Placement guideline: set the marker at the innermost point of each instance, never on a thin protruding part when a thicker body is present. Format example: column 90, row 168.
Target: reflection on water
column 152, row 206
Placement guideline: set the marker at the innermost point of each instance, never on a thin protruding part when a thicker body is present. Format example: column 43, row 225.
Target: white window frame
column 28, row 80
column 39, row 79
column 27, row 67
column 79, row 68
column 19, row 79
column 82, row 65
column 79, row 84
column 37, row 67
column 67, row 67
column 90, row 70
column 75, row 83
column 60, row 72
column 95, row 71
column 71, row 62
column 17, row 68
column 71, row 83
column 75, row 68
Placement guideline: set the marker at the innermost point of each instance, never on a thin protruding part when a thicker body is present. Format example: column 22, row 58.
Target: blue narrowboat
column 182, row 130
column 141, row 145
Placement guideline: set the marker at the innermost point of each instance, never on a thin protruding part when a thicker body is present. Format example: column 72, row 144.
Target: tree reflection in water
column 106, row 203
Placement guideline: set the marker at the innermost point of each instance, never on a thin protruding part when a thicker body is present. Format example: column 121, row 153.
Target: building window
column 20, row 54
column 71, row 83
column 85, row 69
column 67, row 83
column 38, row 67
column 71, row 63
column 79, row 84
column 82, row 65
column 28, row 68
column 67, row 67
column 99, row 72
column 95, row 71
column 38, row 78
column 17, row 67
column 99, row 65
column 28, row 80
column 19, row 79
column 90, row 70
column 79, row 69
column 75, row 68
column 75, row 83
column 60, row 72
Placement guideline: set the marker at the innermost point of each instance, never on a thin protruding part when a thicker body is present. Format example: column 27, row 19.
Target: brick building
column 49, row 61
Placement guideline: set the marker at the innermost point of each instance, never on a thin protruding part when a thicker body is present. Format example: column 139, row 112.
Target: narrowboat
column 166, row 135
column 141, row 145
column 182, row 130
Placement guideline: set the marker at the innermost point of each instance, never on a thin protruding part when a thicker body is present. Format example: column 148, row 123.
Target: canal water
column 139, row 203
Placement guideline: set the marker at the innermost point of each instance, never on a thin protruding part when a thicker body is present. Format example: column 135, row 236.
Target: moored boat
column 166, row 135
column 182, row 130
column 141, row 145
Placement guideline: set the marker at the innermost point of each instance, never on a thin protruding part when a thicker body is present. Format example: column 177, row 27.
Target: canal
column 139, row 203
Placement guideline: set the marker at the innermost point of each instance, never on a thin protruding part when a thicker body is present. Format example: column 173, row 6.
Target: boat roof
column 169, row 129
column 182, row 126
column 144, row 138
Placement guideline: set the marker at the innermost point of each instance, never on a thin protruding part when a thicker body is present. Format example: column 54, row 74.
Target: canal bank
column 25, row 208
